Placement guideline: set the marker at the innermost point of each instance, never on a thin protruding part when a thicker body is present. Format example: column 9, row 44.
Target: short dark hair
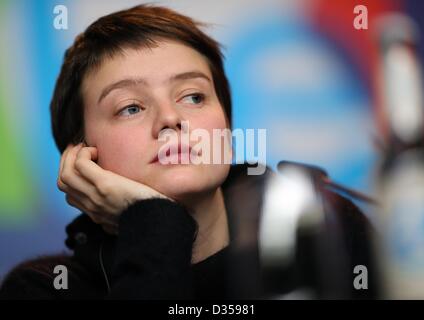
column 140, row 26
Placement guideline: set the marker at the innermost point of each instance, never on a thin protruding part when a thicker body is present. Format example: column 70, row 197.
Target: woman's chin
column 183, row 191
column 184, row 182
column 182, row 185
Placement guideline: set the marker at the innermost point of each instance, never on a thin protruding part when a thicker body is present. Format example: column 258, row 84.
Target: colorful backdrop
column 297, row 68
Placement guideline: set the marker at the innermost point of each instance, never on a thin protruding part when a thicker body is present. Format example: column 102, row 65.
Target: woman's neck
column 213, row 233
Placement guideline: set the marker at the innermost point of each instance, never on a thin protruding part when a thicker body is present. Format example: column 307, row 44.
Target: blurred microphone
column 300, row 237
column 400, row 176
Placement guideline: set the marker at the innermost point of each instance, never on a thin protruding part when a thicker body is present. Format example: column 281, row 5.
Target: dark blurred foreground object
column 311, row 238
column 400, row 175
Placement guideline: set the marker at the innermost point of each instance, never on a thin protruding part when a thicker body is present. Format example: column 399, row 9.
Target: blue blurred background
column 297, row 68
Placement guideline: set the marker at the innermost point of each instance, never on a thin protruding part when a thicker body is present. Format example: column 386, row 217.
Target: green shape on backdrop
column 16, row 196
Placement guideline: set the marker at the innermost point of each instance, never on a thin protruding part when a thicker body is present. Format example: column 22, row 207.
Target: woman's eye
column 195, row 98
column 130, row 110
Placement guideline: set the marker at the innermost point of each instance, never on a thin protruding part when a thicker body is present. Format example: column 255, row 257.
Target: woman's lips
column 181, row 155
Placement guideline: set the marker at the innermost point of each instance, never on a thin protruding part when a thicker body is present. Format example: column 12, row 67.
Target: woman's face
column 130, row 101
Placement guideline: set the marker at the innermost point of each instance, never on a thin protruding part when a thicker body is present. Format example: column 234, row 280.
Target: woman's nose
column 166, row 117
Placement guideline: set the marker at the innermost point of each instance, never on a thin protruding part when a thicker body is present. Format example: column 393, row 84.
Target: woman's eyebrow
column 129, row 82
column 189, row 75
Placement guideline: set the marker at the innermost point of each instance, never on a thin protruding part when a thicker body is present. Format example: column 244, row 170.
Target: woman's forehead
column 153, row 64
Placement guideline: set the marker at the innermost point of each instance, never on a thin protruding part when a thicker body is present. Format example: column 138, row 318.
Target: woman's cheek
column 121, row 154
column 220, row 136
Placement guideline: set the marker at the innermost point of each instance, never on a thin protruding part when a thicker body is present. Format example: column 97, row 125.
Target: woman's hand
column 100, row 193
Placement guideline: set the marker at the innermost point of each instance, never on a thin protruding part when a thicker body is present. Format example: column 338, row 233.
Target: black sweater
column 151, row 257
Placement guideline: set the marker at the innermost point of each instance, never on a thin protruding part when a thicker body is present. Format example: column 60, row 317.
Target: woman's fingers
column 70, row 179
column 87, row 167
column 89, row 153
column 70, row 150
column 69, row 158
column 63, row 161
column 77, row 162
column 104, row 182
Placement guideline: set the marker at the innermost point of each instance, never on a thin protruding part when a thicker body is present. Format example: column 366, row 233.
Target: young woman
column 149, row 229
